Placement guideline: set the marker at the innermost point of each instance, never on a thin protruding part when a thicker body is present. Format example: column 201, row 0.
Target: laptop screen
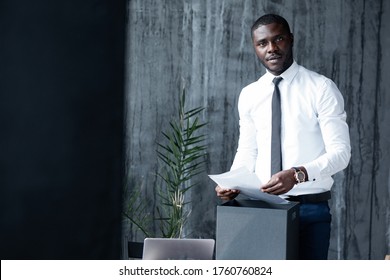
column 178, row 249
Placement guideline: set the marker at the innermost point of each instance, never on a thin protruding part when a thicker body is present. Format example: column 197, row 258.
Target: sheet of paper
column 247, row 183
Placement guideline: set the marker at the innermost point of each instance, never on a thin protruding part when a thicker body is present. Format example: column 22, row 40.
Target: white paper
column 247, row 183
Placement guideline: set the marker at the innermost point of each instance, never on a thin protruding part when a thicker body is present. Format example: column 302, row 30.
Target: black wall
column 61, row 115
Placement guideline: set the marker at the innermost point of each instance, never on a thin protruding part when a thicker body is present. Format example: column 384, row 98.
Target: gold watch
column 299, row 175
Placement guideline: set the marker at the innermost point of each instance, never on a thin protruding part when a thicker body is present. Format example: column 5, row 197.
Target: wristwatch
column 299, row 175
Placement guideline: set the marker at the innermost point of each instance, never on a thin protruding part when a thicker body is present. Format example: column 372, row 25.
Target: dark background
column 61, row 112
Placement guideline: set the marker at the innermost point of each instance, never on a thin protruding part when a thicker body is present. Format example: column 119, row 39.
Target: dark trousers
column 314, row 231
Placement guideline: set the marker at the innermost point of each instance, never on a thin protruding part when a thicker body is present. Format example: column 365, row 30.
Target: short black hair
column 268, row 19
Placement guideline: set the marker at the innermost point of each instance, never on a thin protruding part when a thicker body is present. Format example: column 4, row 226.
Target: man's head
column 273, row 42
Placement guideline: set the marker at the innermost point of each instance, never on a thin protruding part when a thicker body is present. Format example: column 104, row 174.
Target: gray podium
column 256, row 230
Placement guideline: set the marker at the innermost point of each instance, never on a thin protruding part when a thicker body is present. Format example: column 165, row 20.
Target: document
column 247, row 183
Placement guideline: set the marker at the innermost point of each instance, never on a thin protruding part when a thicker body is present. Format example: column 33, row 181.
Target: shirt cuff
column 313, row 171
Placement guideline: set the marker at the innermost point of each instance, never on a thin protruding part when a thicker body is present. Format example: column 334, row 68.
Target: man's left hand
column 280, row 182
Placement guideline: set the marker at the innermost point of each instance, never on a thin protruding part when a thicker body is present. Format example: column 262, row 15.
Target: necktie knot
column 277, row 80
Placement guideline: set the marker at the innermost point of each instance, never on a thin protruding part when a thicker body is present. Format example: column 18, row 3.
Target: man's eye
column 278, row 39
column 262, row 44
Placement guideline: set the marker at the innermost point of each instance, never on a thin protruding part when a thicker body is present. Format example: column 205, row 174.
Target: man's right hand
column 226, row 194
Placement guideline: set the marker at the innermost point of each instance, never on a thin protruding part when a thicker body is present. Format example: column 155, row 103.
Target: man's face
column 273, row 46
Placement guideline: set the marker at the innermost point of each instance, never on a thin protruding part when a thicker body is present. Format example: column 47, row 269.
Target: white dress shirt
column 314, row 132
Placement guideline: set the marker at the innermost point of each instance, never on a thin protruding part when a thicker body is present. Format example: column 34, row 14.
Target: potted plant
column 182, row 156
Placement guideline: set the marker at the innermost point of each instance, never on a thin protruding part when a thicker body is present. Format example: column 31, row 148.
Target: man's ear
column 292, row 39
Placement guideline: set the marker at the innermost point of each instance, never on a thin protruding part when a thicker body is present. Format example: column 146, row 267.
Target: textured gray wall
column 206, row 46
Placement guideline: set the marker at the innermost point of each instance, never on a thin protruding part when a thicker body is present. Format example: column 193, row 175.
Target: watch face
column 301, row 176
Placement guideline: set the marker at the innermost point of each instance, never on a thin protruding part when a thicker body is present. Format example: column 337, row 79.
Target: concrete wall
column 206, row 46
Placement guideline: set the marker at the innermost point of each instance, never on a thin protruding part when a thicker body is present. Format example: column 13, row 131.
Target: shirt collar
column 287, row 75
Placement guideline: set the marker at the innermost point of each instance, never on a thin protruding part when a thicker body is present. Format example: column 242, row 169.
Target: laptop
column 178, row 249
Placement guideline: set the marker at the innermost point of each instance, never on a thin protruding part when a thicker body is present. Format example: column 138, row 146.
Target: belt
column 311, row 198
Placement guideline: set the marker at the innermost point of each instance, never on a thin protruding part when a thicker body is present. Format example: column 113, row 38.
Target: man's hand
column 280, row 182
column 226, row 194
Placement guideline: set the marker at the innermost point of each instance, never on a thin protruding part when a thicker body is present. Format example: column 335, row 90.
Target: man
column 313, row 135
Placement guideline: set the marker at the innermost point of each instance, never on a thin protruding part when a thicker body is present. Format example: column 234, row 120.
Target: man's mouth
column 274, row 58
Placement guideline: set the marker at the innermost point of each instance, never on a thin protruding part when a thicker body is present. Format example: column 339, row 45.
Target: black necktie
column 276, row 153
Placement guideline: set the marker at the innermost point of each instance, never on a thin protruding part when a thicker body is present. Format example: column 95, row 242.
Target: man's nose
column 272, row 47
